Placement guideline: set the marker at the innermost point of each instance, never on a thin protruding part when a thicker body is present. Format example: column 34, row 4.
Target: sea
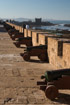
column 59, row 25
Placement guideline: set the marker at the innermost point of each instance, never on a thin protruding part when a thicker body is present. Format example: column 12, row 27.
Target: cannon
column 12, row 32
column 8, row 27
column 26, row 40
column 54, row 80
column 17, row 35
column 40, row 51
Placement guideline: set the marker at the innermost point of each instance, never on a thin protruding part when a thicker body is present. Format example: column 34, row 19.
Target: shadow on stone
column 63, row 99
column 37, row 61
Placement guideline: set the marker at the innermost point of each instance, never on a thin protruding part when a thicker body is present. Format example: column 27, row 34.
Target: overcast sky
column 48, row 9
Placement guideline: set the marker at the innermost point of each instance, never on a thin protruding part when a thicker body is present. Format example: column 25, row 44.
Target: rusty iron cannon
column 40, row 51
column 8, row 27
column 54, row 80
column 17, row 35
column 12, row 32
column 25, row 40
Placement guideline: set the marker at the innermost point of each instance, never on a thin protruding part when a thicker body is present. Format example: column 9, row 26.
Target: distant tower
column 38, row 20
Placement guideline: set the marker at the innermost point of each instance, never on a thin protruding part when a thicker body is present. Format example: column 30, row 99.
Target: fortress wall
column 34, row 38
column 16, row 26
column 25, row 33
column 58, row 52
column 30, row 33
column 58, row 48
column 39, row 38
column 52, row 50
column 42, row 39
column 20, row 29
column 66, row 55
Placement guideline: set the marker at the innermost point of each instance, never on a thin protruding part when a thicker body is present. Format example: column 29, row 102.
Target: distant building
column 38, row 20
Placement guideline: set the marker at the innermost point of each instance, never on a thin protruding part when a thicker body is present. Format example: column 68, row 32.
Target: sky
column 46, row 9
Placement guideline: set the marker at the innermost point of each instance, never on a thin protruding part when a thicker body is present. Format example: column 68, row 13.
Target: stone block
column 25, row 33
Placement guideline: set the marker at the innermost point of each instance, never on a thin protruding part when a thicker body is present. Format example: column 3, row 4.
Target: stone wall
column 20, row 29
column 34, row 38
column 58, row 48
column 43, row 38
column 58, row 52
column 29, row 33
column 66, row 55
column 25, row 33
column 16, row 26
column 39, row 38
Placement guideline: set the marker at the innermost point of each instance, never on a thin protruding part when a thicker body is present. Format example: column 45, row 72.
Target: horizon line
column 37, row 17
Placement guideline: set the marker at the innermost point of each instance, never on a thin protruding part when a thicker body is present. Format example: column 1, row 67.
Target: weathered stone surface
column 25, row 33
column 59, row 56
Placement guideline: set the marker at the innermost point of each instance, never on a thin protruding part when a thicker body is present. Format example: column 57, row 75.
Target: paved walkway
column 18, row 79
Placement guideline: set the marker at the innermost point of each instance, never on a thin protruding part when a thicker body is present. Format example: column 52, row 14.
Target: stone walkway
column 18, row 79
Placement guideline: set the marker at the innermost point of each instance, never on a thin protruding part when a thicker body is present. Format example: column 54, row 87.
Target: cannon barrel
column 20, row 39
column 19, row 34
column 36, row 47
column 55, row 74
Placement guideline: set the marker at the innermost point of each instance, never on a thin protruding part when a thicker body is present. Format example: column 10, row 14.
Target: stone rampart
column 58, row 49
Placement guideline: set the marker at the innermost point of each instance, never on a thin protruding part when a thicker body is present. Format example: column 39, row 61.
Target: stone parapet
column 57, row 52
column 58, row 48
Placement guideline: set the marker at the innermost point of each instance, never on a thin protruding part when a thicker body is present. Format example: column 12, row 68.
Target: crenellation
column 30, row 32
column 56, row 53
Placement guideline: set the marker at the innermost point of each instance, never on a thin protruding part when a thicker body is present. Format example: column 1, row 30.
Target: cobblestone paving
column 18, row 79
